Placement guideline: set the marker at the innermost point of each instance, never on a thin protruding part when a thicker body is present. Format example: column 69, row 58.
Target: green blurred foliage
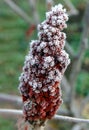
column 7, row 124
column 82, row 85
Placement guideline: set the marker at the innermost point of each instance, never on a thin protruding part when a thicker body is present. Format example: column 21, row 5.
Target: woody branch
column 15, row 113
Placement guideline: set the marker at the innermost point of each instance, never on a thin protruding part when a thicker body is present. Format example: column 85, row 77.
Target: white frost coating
column 48, row 14
column 57, row 8
column 52, row 64
column 30, row 83
column 32, row 43
column 56, row 42
column 52, row 29
column 65, row 54
column 60, row 59
column 44, row 67
column 66, row 17
column 51, row 43
column 45, row 26
column 53, row 90
column 45, row 89
column 43, row 71
column 59, row 75
column 51, row 75
column 48, row 59
column 39, row 84
column 41, row 61
column 29, row 104
column 49, row 34
column 63, row 35
column 46, row 31
column 54, row 18
column 34, row 85
column 37, row 91
column 32, row 61
column 43, row 45
column 45, row 50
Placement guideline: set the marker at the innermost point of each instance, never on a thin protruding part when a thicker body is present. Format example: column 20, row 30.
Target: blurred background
column 18, row 21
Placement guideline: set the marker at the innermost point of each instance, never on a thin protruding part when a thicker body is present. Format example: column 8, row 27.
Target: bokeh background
column 15, row 35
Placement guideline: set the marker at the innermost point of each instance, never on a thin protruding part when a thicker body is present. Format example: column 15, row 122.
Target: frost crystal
column 44, row 67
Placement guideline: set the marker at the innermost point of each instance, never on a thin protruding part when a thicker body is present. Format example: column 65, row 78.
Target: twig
column 69, row 50
column 82, row 48
column 13, row 112
column 18, row 10
column 73, row 10
column 17, row 101
column 66, row 87
column 76, row 67
column 71, row 119
column 6, row 98
column 49, row 4
column 10, row 112
column 32, row 4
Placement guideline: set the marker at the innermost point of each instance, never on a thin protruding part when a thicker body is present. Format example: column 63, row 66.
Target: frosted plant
column 43, row 69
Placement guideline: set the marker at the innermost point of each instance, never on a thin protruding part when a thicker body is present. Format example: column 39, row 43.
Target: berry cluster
column 44, row 67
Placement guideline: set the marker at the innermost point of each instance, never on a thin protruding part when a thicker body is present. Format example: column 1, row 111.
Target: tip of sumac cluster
column 44, row 67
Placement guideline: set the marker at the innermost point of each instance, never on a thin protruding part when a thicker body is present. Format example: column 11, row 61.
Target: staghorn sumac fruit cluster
column 44, row 67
